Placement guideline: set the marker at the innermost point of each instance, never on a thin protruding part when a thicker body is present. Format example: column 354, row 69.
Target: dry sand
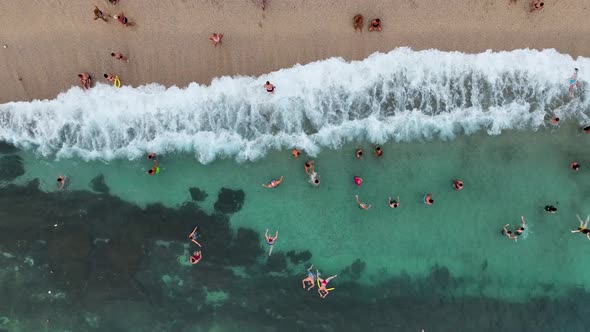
column 50, row 41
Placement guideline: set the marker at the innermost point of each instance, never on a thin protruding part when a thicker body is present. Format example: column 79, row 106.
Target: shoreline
column 49, row 43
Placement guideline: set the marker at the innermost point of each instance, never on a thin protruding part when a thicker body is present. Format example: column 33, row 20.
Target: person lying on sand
column 120, row 56
column 216, row 38
column 361, row 204
column 110, row 77
column 123, row 19
column 536, row 5
column 99, row 14
column 375, row 25
column 358, row 22
column 583, row 227
column 85, row 80
column 113, row 2
column 273, row 183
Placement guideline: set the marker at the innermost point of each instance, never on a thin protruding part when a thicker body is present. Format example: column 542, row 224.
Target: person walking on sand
column 583, row 228
column 361, row 204
column 120, row 56
column 99, row 14
column 193, row 236
column 85, row 80
column 573, row 82
column 322, row 290
column 393, row 203
column 536, row 5
column 269, row 87
column 61, row 182
column 375, row 25
column 216, row 38
column 311, row 279
column 196, row 257
column 358, row 22
column 273, row 183
column 270, row 240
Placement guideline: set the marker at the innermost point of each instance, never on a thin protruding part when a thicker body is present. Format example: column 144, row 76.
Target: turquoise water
column 81, row 260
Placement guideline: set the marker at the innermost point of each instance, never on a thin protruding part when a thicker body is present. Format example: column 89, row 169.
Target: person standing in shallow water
column 583, row 228
column 270, row 240
column 269, row 87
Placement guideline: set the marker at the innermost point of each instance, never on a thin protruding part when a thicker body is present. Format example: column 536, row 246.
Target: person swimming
column 550, row 208
column 518, row 232
column 358, row 181
column 154, row 170
column 575, row 166
column 309, row 168
column 323, row 283
column 61, row 182
column 195, row 257
column 361, row 204
column 583, row 228
column 193, row 236
column 378, row 151
column 359, row 153
column 314, row 179
column 428, row 199
column 152, row 156
column 457, row 184
column 393, row 203
column 586, row 129
column 270, row 240
column 273, row 183
column 311, row 279
column 295, row 153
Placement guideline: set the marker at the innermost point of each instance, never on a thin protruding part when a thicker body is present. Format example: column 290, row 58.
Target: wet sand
column 48, row 42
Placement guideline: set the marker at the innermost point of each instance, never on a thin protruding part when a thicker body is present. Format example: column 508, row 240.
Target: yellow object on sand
column 117, row 82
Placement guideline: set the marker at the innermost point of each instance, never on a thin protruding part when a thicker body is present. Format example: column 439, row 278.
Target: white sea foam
column 403, row 95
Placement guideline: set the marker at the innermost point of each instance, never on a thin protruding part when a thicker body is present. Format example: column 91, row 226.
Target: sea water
column 438, row 116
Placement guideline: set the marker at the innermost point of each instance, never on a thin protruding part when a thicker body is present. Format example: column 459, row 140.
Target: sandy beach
column 48, row 42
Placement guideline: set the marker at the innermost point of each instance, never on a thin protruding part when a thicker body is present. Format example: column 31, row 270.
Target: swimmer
column 508, row 233
column 154, row 170
column 586, row 129
column 361, row 204
column 575, row 166
column 273, row 183
column 270, row 240
column 359, row 153
column 269, row 87
column 311, row 278
column 573, row 82
column 152, row 156
column 520, row 229
column 393, row 203
column 428, row 199
column 61, row 181
column 555, row 121
column 550, row 208
column 323, row 283
column 314, row 179
column 309, row 169
column 195, row 258
column 457, row 184
column 378, row 151
column 583, row 227
column 295, row 153
column 193, row 236
column 358, row 181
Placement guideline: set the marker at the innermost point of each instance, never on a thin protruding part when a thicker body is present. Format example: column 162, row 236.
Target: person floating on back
column 120, row 56
column 375, row 25
column 311, row 279
column 358, row 22
column 193, row 236
column 269, row 87
column 216, row 38
column 323, row 283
